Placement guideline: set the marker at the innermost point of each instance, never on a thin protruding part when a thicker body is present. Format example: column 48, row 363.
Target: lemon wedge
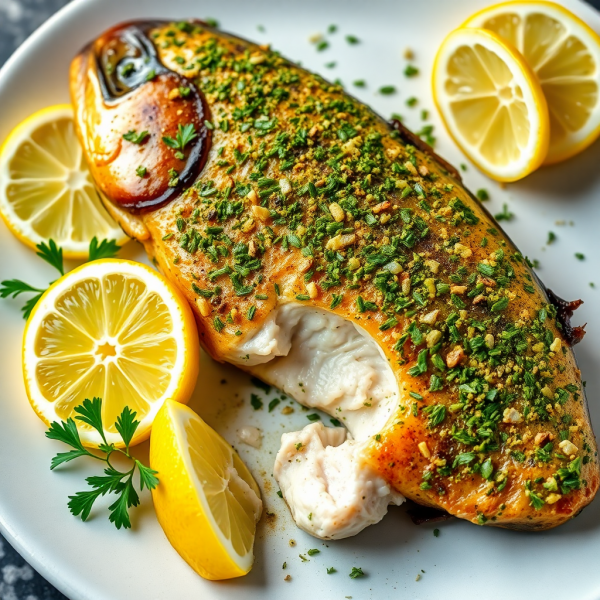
column 46, row 190
column 491, row 103
column 111, row 329
column 564, row 53
column 207, row 501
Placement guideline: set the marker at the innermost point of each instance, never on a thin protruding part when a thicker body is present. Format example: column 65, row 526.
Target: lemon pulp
column 113, row 330
column 564, row 53
column 491, row 103
column 487, row 97
column 207, row 501
column 46, row 189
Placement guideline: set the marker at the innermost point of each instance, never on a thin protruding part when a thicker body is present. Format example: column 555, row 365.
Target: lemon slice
column 111, row 329
column 46, row 190
column 491, row 103
column 207, row 502
column 564, row 53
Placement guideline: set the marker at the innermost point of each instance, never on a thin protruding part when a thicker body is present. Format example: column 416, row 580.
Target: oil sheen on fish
column 255, row 185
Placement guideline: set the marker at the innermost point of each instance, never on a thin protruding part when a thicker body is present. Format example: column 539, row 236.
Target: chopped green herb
column 265, row 387
column 501, row 305
column 185, row 134
column 505, row 215
column 483, row 195
column 336, row 300
column 134, row 137
column 536, row 501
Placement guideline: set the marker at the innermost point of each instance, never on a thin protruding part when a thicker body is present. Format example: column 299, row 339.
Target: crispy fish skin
column 307, row 195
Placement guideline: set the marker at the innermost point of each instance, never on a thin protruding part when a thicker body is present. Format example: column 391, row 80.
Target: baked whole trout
column 336, row 256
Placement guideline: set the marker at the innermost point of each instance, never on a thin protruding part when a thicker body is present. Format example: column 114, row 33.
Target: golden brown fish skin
column 518, row 481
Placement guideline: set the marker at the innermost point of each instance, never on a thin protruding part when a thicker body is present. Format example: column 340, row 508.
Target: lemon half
column 46, row 190
column 111, row 329
column 491, row 103
column 564, row 53
column 207, row 502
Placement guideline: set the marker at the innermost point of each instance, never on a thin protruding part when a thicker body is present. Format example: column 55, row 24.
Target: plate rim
column 53, row 576
column 19, row 543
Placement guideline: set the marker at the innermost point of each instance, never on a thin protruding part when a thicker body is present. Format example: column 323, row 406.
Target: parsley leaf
column 126, row 425
column 81, row 503
column 505, row 215
column 14, row 287
column 185, row 134
column 67, row 433
column 52, row 254
column 356, row 572
column 104, row 249
column 134, row 137
column 119, row 513
column 90, row 413
column 147, row 476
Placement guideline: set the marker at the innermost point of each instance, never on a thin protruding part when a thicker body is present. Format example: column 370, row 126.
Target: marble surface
column 18, row 18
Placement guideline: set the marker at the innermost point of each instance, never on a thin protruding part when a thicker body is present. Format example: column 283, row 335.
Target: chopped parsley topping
column 185, row 134
column 136, row 138
column 383, row 234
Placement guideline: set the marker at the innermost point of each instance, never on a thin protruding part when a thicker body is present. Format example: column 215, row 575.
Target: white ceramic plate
column 95, row 561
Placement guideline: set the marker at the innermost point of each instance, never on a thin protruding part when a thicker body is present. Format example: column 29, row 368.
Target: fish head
column 142, row 125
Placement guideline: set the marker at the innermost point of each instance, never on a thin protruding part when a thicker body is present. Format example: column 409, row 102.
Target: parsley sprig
column 53, row 255
column 185, row 134
column 113, row 481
